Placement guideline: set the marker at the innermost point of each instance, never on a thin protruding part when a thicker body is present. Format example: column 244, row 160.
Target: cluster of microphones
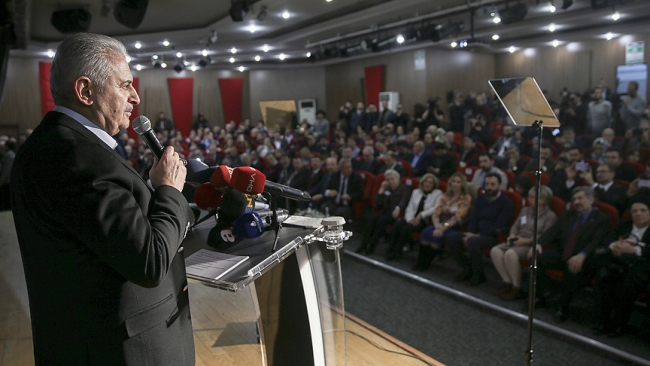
column 240, row 197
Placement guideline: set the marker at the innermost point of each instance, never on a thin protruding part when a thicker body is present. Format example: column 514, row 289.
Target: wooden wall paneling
column 208, row 103
column 21, row 102
column 151, row 100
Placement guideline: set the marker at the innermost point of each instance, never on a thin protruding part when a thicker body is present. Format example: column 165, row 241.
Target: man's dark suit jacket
column 616, row 196
column 589, row 238
column 625, row 172
column 317, row 182
column 301, row 179
column 355, row 186
column 421, row 167
column 623, row 229
column 372, row 166
column 101, row 252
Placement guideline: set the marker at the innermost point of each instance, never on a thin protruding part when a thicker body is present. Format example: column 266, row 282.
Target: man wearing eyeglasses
column 606, row 190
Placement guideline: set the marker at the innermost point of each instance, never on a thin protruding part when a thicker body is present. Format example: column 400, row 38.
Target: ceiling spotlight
column 616, row 16
column 204, row 52
column 265, row 48
column 262, row 13
column 551, row 8
column 555, row 43
column 241, row 68
column 194, row 67
column 179, row 54
column 233, row 50
column 286, row 14
column 511, row 49
column 50, row 53
column 257, row 58
column 232, row 60
column 308, row 54
column 163, row 65
column 179, row 67
column 138, row 45
column 400, row 39
column 454, row 44
column 166, row 43
column 329, row 1
column 609, row 36
column 252, row 28
column 551, row 27
column 205, row 61
column 496, row 19
column 513, row 13
column 495, row 37
column 138, row 67
column 282, row 56
column 566, row 4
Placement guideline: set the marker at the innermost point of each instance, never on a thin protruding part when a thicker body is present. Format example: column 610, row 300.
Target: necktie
column 573, row 240
column 341, row 190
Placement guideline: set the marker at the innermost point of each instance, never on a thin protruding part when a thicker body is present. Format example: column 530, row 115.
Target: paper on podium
column 212, row 265
column 524, row 101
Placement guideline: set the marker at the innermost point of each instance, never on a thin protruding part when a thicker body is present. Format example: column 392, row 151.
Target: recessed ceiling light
column 308, row 54
column 179, row 54
column 454, row 44
column 265, row 48
column 551, row 27
column 163, row 65
column 496, row 19
column 252, row 28
column 155, row 57
column 138, row 45
column 233, row 50
column 286, row 14
column 194, row 67
column 257, row 58
column 495, row 37
column 400, row 38
column 232, row 60
column 609, row 36
column 511, row 49
column 138, row 67
column 165, row 43
column 50, row 53
column 204, row 53
column 551, row 8
column 555, row 43
column 329, row 1
column 282, row 56
column 616, row 16
column 241, row 68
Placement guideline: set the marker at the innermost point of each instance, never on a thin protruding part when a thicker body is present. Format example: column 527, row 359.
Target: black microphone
column 251, row 181
column 142, row 126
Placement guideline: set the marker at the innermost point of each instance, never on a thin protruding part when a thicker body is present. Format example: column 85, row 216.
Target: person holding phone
column 507, row 256
column 566, row 179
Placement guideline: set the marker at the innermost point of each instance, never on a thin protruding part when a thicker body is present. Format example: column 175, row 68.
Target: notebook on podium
column 524, row 101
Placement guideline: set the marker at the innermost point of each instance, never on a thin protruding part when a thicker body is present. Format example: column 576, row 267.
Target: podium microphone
column 251, row 181
column 142, row 126
column 252, row 224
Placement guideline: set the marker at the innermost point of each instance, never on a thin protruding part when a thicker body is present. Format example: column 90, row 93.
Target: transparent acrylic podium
column 296, row 291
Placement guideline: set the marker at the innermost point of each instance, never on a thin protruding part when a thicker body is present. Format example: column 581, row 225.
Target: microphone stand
column 528, row 353
column 275, row 223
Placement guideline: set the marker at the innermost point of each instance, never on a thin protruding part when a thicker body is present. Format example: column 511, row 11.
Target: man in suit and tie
column 369, row 163
column 391, row 163
column 420, row 159
column 343, row 189
column 101, row 249
column 606, row 190
column 576, row 234
column 614, row 158
column 317, row 190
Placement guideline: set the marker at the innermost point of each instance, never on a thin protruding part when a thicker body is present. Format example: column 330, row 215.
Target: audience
column 486, row 163
column 342, row 190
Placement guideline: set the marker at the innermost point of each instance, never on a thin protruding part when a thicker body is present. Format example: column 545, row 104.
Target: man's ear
column 84, row 90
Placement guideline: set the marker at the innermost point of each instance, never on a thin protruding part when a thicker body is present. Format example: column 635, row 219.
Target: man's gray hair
column 392, row 172
column 589, row 192
column 82, row 54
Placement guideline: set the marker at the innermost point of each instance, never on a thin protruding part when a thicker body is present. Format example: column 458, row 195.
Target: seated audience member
column 642, row 181
column 513, row 161
column 234, row 157
column 443, row 164
column 576, row 234
column 640, row 137
column 606, row 190
column 317, row 190
column 273, row 168
column 420, row 159
column 564, row 180
column 256, row 162
column 343, row 188
column 391, row 163
column 614, row 159
column 486, row 163
column 507, row 256
column 420, row 207
column 624, row 271
column 391, row 201
column 369, row 163
column 597, row 152
column 498, row 150
column 523, row 184
column 449, row 142
column 479, row 132
column 446, row 218
column 299, row 179
column 490, row 215
column 469, row 153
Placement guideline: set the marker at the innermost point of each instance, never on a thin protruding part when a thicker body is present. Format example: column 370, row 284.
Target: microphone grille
column 141, row 124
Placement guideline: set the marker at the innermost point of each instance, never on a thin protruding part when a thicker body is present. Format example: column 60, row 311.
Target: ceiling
column 320, row 27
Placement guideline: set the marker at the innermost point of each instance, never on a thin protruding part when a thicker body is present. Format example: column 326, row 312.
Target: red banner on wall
column 47, row 103
column 181, row 94
column 374, row 77
column 231, row 98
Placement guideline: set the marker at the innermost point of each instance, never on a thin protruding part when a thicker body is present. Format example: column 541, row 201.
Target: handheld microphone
column 142, row 126
column 207, row 198
column 252, row 224
column 251, row 181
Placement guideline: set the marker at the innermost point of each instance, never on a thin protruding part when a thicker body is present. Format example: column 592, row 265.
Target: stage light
column 551, row 27
column 308, row 54
column 496, row 19
column 566, row 4
column 179, row 67
column 282, row 56
column 257, row 58
column 511, row 49
column 454, row 44
column 163, row 65
column 194, row 68
column 138, row 67
column 400, row 39
column 265, row 48
column 495, row 37
column 616, row 16
column 241, row 68
column 232, row 60
column 514, row 13
column 286, row 15
column 238, row 10
column 252, row 28
column 609, row 36
column 444, row 31
column 179, row 54
column 166, row 43
column 204, row 52
column 138, row 45
column 233, row 50
column 551, row 8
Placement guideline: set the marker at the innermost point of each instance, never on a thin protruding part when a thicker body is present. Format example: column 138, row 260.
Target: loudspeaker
column 131, row 12
column 238, row 10
column 71, row 20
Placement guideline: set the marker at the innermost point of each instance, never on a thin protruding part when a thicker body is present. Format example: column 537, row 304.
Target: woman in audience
column 507, row 256
column 447, row 217
column 391, row 201
column 420, row 207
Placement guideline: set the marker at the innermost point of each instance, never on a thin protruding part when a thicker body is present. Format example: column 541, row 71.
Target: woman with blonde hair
column 447, row 217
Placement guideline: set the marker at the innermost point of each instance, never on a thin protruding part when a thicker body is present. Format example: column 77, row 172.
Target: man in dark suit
column 391, row 163
column 163, row 123
column 614, row 158
column 369, row 163
column 443, row 164
column 577, row 234
column 420, row 159
column 101, row 249
column 299, row 179
column 343, row 189
column 606, row 190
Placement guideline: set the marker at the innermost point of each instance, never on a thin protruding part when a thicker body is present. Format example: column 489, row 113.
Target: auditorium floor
column 224, row 327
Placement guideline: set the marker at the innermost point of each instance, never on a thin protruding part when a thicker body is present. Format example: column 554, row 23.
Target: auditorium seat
column 468, row 171
column 406, row 166
column 544, row 180
column 366, row 199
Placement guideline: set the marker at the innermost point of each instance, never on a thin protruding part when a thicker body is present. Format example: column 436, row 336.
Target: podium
column 296, row 290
